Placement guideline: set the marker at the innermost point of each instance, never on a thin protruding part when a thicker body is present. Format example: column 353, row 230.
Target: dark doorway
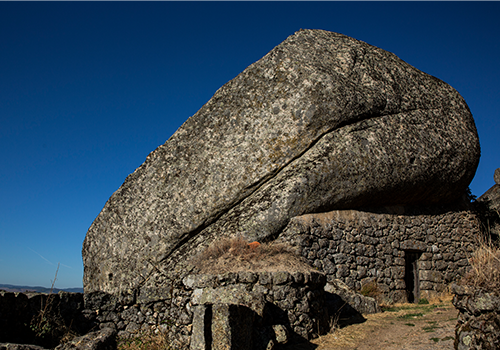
column 411, row 276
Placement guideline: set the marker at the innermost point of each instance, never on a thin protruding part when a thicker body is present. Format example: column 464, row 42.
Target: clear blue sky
column 88, row 90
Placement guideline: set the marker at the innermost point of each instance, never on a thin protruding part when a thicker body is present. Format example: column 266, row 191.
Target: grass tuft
column 430, row 329
column 423, row 301
column 414, row 315
column 485, row 269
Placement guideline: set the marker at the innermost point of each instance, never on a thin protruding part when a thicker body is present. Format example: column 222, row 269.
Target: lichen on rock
column 321, row 122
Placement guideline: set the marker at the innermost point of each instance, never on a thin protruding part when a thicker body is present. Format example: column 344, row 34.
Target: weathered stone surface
column 104, row 339
column 235, row 294
column 491, row 198
column 202, row 320
column 360, row 303
column 63, row 315
column 281, row 333
column 9, row 346
column 323, row 121
column 232, row 327
column 478, row 325
column 280, row 299
column 488, row 205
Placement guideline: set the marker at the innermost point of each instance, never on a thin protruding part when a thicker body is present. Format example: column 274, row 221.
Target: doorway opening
column 411, row 275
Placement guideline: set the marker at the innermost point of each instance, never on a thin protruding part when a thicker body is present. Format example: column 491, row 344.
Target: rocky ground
column 402, row 327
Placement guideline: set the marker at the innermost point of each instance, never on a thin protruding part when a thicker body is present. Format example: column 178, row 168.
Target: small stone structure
column 257, row 302
column 479, row 318
column 410, row 252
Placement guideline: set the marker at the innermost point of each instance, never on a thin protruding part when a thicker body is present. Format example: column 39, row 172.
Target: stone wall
column 295, row 300
column 395, row 247
column 478, row 320
column 130, row 317
column 41, row 319
column 351, row 247
column 276, row 302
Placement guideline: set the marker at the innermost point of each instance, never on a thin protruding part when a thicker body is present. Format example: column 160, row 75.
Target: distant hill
column 13, row 288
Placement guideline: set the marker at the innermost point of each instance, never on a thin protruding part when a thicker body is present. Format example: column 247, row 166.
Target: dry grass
column 485, row 272
column 43, row 323
column 392, row 330
column 145, row 341
column 237, row 254
column 443, row 297
column 372, row 290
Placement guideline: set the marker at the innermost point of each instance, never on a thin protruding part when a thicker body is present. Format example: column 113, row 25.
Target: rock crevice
column 321, row 122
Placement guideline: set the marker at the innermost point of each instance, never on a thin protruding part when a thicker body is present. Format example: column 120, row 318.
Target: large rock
column 321, row 122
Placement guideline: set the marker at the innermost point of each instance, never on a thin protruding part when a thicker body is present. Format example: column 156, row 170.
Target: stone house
column 409, row 252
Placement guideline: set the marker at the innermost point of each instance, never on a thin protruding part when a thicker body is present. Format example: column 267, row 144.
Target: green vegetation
column 431, row 328
column 397, row 308
column 435, row 340
column 413, row 315
column 415, row 307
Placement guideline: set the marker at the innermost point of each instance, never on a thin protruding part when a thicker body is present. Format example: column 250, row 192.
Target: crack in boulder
column 322, row 122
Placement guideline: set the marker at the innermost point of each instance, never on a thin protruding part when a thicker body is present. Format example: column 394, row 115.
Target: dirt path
column 403, row 327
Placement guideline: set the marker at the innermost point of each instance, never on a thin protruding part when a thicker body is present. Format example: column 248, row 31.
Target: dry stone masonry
column 324, row 124
column 479, row 318
column 40, row 321
column 407, row 252
column 269, row 308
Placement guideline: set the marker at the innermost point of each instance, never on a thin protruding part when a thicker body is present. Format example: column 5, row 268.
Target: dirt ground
column 402, row 327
